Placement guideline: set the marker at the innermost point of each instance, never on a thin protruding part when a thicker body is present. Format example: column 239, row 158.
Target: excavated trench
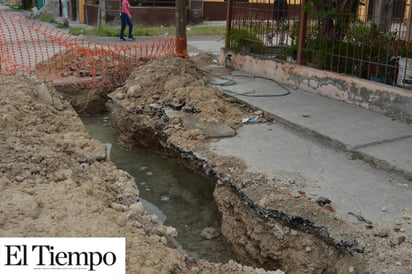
column 176, row 195
column 260, row 236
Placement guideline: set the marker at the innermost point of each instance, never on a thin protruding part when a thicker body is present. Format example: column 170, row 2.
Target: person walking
column 126, row 18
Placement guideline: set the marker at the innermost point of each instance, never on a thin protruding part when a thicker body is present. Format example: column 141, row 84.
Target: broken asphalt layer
column 359, row 159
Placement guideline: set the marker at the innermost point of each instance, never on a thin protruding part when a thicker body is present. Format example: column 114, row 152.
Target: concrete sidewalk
column 359, row 159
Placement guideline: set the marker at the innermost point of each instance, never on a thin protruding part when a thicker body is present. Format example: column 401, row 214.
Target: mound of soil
column 56, row 181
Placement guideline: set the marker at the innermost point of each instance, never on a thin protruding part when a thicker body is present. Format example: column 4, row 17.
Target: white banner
column 62, row 255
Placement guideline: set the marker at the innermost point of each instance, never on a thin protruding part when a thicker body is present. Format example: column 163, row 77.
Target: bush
column 244, row 40
column 46, row 17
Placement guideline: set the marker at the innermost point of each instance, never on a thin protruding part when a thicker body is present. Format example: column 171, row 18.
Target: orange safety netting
column 44, row 52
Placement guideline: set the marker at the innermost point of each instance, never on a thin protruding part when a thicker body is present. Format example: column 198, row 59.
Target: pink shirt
column 125, row 8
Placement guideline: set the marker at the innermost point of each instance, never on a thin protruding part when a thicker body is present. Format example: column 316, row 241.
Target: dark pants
column 126, row 20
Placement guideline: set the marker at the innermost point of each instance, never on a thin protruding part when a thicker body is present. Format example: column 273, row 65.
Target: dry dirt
column 259, row 213
column 56, row 181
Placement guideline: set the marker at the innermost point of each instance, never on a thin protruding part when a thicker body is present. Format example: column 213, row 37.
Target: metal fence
column 369, row 39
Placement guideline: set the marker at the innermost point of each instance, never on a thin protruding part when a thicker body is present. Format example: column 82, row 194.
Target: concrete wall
column 392, row 101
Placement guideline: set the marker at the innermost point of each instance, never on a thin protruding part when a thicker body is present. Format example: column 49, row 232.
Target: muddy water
column 178, row 196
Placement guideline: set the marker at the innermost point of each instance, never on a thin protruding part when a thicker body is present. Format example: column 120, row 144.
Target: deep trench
column 241, row 222
column 178, row 196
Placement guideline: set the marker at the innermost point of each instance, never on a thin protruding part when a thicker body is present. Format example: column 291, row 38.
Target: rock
column 134, row 91
column 195, row 132
column 384, row 209
column 381, row 257
column 101, row 156
column 121, row 220
column 323, row 201
column 163, row 240
column 138, row 224
column 351, row 269
column 329, row 208
column 44, row 94
column 136, row 209
column 381, row 230
column 398, row 263
column 120, row 96
column 154, row 219
column 19, row 178
column 170, row 231
column 209, row 233
column 57, row 104
column 155, row 106
column 401, row 239
column 118, row 207
column 308, row 249
column 84, row 166
column 66, row 23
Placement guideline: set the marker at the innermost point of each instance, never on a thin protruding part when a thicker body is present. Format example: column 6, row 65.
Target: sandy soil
column 56, row 181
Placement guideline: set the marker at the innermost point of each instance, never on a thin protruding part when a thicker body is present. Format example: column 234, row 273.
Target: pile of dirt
column 56, row 181
column 171, row 83
column 78, row 66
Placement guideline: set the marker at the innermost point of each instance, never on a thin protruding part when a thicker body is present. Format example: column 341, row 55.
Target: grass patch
column 46, row 17
column 206, row 30
column 20, row 7
column 141, row 30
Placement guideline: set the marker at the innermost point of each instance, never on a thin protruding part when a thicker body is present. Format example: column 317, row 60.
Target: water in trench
column 178, row 196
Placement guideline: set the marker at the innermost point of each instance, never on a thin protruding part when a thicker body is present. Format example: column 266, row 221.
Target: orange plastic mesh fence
column 44, row 52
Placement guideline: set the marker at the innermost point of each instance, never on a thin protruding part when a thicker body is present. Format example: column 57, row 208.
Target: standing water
column 178, row 196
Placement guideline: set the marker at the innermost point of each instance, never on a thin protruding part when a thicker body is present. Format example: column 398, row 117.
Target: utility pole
column 181, row 48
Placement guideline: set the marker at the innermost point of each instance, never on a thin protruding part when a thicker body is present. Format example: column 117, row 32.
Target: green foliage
column 244, row 40
column 334, row 16
column 46, row 17
column 140, row 30
column 60, row 25
column 366, row 53
column 16, row 6
column 207, row 30
column 77, row 30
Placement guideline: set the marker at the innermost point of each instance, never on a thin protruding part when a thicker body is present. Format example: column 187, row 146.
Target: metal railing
column 369, row 39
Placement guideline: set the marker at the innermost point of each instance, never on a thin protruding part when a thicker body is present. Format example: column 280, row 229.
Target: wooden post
column 303, row 18
column 181, row 48
column 228, row 21
column 81, row 11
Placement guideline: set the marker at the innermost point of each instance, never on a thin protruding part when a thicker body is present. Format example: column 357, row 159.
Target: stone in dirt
column 209, row 233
